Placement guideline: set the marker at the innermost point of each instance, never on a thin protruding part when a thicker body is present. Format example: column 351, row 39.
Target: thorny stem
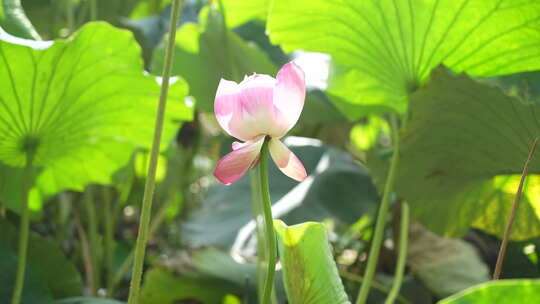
column 517, row 198
column 268, row 222
column 402, row 255
column 150, row 184
column 381, row 217
column 23, row 231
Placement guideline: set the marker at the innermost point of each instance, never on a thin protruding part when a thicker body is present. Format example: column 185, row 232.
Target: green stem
column 374, row 284
column 381, row 217
column 515, row 205
column 70, row 18
column 23, row 231
column 93, row 10
column 156, row 221
column 150, row 184
column 259, row 229
column 91, row 216
column 160, row 216
column 85, row 250
column 108, row 248
column 402, row 255
column 268, row 223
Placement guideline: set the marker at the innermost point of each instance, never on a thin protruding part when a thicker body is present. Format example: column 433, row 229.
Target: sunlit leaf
column 462, row 154
column 238, row 12
column 387, row 48
column 198, row 60
column 148, row 7
column 503, row 291
column 83, row 104
column 309, row 271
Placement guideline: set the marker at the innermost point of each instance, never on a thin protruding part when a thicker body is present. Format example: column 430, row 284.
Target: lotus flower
column 259, row 107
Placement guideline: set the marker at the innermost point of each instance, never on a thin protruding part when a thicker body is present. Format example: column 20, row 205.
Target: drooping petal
column 286, row 161
column 289, row 95
column 234, row 165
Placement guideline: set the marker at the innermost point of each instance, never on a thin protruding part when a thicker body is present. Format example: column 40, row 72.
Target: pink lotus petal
column 234, row 165
column 237, row 145
column 227, row 107
column 289, row 94
column 245, row 110
column 286, row 161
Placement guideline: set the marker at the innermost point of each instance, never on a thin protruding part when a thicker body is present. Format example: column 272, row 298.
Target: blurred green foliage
column 463, row 75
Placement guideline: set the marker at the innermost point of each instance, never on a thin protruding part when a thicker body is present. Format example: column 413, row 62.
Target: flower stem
column 150, row 184
column 23, row 231
column 108, row 244
column 93, row 10
column 91, row 216
column 402, row 255
column 374, row 284
column 268, row 222
column 517, row 198
column 381, row 217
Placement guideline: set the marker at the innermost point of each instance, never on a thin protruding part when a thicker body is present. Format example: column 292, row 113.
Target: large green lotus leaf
column 206, row 52
column 387, row 48
column 309, row 272
column 238, row 12
column 502, row 291
column 49, row 273
column 463, row 151
column 14, row 21
column 84, row 103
